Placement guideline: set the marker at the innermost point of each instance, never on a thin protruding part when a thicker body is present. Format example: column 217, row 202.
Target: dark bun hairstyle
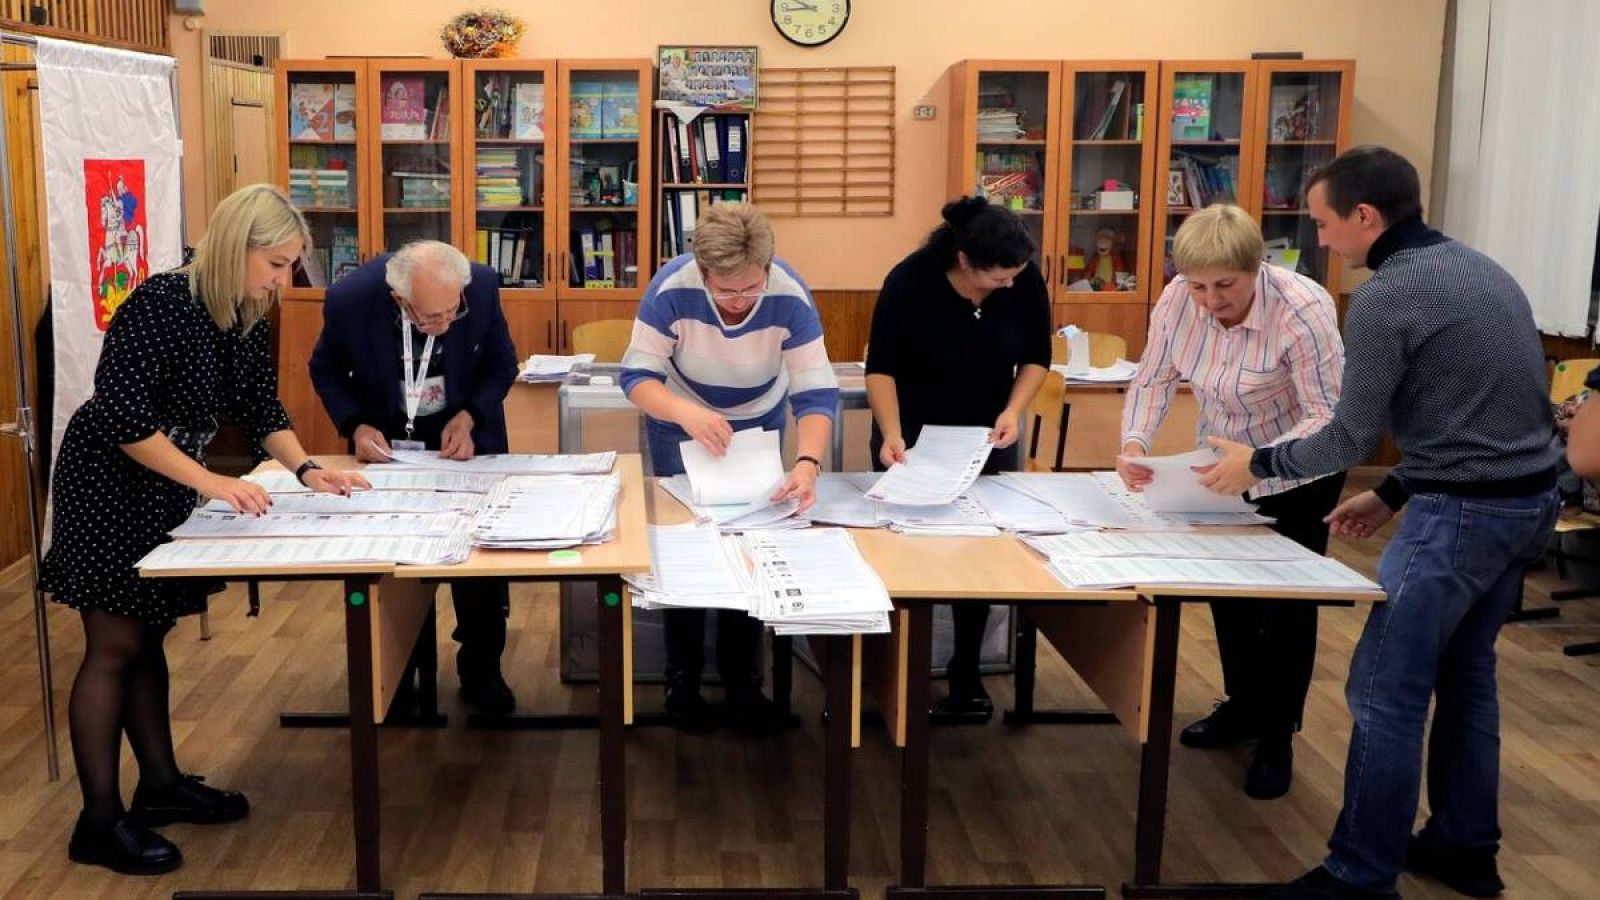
column 991, row 236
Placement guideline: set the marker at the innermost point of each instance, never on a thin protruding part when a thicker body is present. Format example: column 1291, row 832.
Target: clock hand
column 798, row 6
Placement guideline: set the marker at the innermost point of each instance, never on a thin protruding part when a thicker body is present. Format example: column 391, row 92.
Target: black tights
column 121, row 686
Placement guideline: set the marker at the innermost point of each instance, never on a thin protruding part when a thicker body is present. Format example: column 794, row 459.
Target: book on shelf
column 1103, row 114
column 439, row 117
column 619, row 110
column 328, row 188
column 498, row 178
column 1191, row 108
column 311, row 111
column 1207, row 179
column 344, row 112
column 422, row 189
column 583, row 120
column 711, row 140
column 604, row 256
column 403, row 111
column 527, row 111
column 1294, row 112
column 733, row 138
column 344, row 252
column 512, row 252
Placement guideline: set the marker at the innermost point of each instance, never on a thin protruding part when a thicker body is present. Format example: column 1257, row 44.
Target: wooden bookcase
column 691, row 177
column 365, row 193
column 1045, row 139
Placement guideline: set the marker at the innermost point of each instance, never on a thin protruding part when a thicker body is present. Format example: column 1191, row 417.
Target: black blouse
column 954, row 363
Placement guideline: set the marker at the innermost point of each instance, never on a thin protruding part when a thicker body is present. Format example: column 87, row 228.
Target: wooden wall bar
column 131, row 24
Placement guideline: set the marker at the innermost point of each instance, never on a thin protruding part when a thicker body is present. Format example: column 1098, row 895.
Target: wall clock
column 810, row 23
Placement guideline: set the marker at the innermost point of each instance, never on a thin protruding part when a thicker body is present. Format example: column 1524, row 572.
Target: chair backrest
column 1104, row 349
column 607, row 339
column 1046, row 442
column 1567, row 379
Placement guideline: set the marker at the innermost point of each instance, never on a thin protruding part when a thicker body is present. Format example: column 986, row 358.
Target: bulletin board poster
column 722, row 78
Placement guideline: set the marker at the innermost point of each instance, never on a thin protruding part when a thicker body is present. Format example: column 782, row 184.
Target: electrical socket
column 922, row 111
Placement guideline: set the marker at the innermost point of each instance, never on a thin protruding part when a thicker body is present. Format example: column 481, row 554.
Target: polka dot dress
column 164, row 366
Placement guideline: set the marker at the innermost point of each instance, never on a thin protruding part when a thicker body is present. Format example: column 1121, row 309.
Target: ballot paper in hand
column 940, row 468
column 1176, row 487
column 750, row 470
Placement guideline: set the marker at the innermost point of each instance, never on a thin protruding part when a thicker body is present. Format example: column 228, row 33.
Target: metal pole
column 23, row 428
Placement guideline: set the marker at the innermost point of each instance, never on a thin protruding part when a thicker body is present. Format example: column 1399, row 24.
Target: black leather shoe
column 688, row 711
column 190, row 800
column 967, row 701
column 1227, row 725
column 1319, row 884
column 122, row 847
column 1465, row 871
column 488, row 694
column 1271, row 769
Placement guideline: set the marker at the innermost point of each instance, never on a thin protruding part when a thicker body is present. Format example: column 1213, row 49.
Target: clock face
column 810, row 23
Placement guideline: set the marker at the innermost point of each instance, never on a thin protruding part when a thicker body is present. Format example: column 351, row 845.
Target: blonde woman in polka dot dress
column 186, row 346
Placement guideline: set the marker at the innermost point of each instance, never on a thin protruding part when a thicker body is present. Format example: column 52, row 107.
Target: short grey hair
column 438, row 257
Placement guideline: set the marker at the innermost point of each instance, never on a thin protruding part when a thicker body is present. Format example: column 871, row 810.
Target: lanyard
column 413, row 379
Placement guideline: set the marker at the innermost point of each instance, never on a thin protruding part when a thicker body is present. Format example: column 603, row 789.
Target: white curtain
column 112, row 195
column 1524, row 168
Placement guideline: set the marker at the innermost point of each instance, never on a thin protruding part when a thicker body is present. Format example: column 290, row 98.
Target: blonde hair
column 252, row 218
column 1221, row 236
column 732, row 237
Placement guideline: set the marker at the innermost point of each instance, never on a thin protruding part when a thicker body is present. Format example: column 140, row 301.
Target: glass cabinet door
column 606, row 131
column 1106, row 195
column 410, row 111
column 1205, row 143
column 507, row 193
column 320, row 152
column 1300, row 130
column 1013, row 158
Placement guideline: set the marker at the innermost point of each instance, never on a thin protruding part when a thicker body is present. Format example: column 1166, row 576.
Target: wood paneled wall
column 132, row 24
column 846, row 322
column 225, row 83
column 23, row 139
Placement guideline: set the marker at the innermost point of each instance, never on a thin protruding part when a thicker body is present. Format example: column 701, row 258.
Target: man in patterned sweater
column 1441, row 350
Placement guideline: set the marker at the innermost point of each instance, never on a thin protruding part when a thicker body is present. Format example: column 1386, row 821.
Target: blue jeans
column 1452, row 574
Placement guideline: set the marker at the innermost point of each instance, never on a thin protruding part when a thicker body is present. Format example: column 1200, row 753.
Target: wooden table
column 386, row 608
column 1123, row 644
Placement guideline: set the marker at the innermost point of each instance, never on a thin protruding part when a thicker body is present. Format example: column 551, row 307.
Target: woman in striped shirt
column 727, row 338
column 1260, row 347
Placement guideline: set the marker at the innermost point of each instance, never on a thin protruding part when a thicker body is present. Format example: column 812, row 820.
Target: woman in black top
column 960, row 336
column 185, row 346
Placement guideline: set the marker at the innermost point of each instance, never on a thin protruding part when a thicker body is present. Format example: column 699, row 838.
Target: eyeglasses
column 749, row 293
column 454, row 315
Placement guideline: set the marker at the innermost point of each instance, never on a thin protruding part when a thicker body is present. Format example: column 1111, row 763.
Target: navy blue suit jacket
column 356, row 364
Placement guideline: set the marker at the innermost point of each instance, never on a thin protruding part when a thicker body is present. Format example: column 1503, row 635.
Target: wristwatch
column 810, row 459
column 308, row 465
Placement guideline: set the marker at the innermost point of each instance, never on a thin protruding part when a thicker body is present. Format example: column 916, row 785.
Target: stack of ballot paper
column 366, row 502
column 692, row 566
column 509, row 463
column 1100, row 500
column 760, row 513
column 1229, row 511
column 1317, row 572
column 735, row 490
column 961, row 516
column 1175, row 485
column 1116, row 373
column 940, row 468
column 816, row 582
column 840, row 502
column 542, row 368
column 302, row 551
column 207, row 523
column 545, row 512
column 1015, row 510
column 386, row 478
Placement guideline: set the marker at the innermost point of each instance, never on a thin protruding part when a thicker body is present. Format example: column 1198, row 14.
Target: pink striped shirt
column 1273, row 377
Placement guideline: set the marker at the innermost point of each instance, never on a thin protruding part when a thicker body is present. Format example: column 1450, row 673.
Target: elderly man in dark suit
column 415, row 354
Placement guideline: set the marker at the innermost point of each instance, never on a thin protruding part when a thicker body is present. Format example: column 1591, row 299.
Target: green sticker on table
column 565, row 557
column 357, row 598
column 612, row 599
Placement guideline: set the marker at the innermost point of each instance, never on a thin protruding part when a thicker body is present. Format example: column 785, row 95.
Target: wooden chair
column 1104, row 349
column 607, row 339
column 1049, row 412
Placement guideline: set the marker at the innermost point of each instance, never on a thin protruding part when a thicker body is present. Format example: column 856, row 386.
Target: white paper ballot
column 840, row 502
column 205, row 524
column 385, row 478
column 751, row 469
column 510, row 463
column 940, row 468
column 1176, row 487
column 1169, row 545
column 365, row 502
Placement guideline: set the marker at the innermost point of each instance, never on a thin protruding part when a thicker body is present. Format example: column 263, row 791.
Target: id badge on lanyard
column 413, row 380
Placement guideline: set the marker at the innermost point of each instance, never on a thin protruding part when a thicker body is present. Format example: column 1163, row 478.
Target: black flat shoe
column 1465, row 871
column 688, row 711
column 967, row 702
column 190, row 800
column 1227, row 725
column 1319, row 884
column 123, row 847
column 1271, row 770
column 488, row 694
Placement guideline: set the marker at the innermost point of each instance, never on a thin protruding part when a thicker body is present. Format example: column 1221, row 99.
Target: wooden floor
column 472, row 810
